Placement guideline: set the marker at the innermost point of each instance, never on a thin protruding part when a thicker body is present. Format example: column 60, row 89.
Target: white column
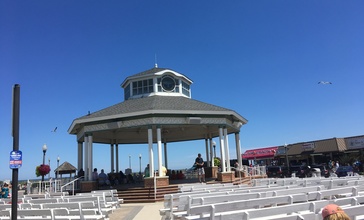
column 90, row 156
column 151, row 159
column 238, row 149
column 207, row 152
column 165, row 155
column 227, row 152
column 221, row 137
column 112, row 157
column 117, row 157
column 159, row 145
column 211, row 153
column 86, row 167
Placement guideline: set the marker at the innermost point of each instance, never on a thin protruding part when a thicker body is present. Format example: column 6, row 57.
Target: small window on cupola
column 168, row 83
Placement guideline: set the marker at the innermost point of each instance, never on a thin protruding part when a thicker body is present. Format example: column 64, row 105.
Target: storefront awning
column 267, row 152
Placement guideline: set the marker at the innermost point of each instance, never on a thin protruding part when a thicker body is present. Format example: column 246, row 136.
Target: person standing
column 5, row 191
column 146, row 171
column 200, row 170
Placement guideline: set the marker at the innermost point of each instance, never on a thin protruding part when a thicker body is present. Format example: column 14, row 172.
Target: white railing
column 254, row 171
column 43, row 187
column 51, row 186
column 73, row 185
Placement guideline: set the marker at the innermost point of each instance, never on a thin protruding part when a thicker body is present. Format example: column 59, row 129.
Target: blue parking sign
column 15, row 159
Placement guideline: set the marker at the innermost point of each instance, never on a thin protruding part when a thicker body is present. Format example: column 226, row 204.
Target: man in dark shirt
column 200, row 170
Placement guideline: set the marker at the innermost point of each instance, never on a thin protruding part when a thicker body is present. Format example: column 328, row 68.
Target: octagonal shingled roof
column 159, row 104
column 150, row 107
column 65, row 168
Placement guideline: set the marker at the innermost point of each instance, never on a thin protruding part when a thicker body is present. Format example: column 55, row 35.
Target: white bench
column 186, row 202
column 245, row 204
column 84, row 210
column 279, row 211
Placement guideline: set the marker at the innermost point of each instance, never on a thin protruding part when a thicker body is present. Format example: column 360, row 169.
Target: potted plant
column 42, row 170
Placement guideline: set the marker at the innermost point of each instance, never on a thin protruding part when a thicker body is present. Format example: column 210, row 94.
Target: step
column 145, row 195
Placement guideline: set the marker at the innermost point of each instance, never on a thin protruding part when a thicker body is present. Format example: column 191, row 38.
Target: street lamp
column 49, row 164
column 286, row 150
column 140, row 163
column 57, row 166
column 129, row 161
column 214, row 145
column 44, row 148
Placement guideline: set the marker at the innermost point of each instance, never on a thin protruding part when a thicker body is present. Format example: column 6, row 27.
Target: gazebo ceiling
column 180, row 119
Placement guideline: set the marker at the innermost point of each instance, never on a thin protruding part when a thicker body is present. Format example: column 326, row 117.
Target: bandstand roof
column 180, row 119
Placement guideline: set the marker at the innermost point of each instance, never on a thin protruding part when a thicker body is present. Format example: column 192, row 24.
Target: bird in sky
column 54, row 130
column 324, row 82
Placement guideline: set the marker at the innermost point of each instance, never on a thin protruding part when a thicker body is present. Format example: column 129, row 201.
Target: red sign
column 260, row 153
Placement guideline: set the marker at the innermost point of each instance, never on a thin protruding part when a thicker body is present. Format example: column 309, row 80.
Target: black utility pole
column 15, row 133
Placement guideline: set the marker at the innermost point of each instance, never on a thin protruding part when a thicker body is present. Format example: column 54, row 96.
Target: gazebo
column 65, row 168
column 158, row 109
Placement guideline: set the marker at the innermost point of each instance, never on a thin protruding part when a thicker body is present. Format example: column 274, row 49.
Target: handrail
column 73, row 185
column 155, row 185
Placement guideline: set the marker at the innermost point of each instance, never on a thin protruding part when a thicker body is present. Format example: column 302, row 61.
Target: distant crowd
column 113, row 179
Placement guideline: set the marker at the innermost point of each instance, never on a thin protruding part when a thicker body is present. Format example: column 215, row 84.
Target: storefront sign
column 260, row 153
column 308, row 146
column 355, row 143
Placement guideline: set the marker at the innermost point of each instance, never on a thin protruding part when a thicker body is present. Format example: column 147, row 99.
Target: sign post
column 15, row 159
column 17, row 156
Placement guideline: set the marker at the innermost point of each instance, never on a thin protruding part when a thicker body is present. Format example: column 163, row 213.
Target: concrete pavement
column 137, row 211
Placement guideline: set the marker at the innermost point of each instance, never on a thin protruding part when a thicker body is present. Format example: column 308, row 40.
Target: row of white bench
column 349, row 180
column 87, row 206
column 210, row 202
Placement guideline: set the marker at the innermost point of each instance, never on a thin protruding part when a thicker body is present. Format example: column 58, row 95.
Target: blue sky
column 263, row 59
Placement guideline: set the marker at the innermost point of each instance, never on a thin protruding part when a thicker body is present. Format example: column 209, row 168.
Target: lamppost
column 286, row 150
column 214, row 145
column 49, row 164
column 140, row 164
column 129, row 161
column 57, row 166
column 44, row 148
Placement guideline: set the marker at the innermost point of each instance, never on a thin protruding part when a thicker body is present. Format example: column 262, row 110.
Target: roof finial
column 155, row 61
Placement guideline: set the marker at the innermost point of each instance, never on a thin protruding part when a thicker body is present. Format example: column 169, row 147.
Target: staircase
column 145, row 195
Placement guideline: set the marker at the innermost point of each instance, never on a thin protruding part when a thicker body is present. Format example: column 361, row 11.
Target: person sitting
column 173, row 175
column 130, row 178
column 334, row 212
column 95, row 175
column 122, row 177
column 180, row 175
column 81, row 173
column 113, row 180
column 103, row 178
column 164, row 171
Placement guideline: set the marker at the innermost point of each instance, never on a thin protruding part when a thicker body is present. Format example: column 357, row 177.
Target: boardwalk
column 137, row 211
